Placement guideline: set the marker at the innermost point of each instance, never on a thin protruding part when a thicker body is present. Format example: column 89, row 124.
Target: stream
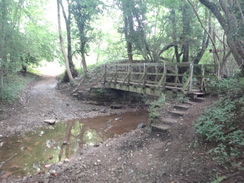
column 35, row 151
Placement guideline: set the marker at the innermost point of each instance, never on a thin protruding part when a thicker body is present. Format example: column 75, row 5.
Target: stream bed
column 33, row 152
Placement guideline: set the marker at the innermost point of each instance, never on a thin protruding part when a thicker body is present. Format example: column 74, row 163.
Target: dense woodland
column 106, row 30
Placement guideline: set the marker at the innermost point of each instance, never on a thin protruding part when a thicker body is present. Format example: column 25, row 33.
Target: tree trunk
column 71, row 80
column 129, row 51
column 83, row 57
column 127, row 37
column 205, row 39
column 232, row 28
column 69, row 47
column 3, row 54
column 186, row 31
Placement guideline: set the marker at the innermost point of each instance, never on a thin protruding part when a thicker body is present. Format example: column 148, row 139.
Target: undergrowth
column 222, row 123
column 12, row 85
column 154, row 109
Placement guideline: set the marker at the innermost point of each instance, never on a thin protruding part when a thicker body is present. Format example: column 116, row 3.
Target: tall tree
column 186, row 30
column 67, row 19
column 84, row 11
column 71, row 79
column 230, row 16
column 134, row 27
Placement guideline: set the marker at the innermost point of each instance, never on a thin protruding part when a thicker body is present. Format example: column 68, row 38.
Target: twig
column 8, row 160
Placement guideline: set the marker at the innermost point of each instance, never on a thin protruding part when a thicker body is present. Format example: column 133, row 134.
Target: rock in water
column 141, row 125
column 50, row 121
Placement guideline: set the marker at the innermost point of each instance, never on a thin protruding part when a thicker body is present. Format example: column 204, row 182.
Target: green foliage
column 154, row 109
column 222, row 122
column 11, row 88
column 25, row 38
column 84, row 13
column 218, row 179
column 232, row 86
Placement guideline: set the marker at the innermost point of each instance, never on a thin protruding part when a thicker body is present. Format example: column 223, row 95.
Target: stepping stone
column 177, row 113
column 116, row 106
column 169, row 121
column 50, row 121
column 182, row 107
column 160, row 127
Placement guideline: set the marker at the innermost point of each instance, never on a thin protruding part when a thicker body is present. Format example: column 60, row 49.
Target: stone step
column 177, row 113
column 198, row 99
column 198, row 93
column 189, row 102
column 196, row 90
column 182, row 107
column 160, row 127
column 169, row 121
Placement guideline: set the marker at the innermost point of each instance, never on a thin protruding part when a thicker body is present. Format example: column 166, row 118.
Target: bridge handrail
column 139, row 74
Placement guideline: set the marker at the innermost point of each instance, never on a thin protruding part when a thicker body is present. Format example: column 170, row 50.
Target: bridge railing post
column 162, row 81
column 176, row 75
column 129, row 73
column 127, row 77
column 143, row 77
column 203, row 78
column 191, row 77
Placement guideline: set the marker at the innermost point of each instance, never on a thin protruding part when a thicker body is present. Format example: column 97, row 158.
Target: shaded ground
column 171, row 157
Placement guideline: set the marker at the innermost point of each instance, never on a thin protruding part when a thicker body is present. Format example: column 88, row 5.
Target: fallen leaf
column 48, row 166
column 15, row 166
column 29, row 148
column 36, row 143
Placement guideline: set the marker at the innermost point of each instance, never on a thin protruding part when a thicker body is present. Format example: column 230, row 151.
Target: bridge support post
column 191, row 77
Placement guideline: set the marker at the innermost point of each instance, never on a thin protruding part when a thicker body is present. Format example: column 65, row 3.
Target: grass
column 13, row 84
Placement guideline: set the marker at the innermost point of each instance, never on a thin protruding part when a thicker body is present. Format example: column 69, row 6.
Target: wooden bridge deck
column 155, row 78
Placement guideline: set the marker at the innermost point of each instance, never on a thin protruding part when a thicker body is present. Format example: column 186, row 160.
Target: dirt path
column 42, row 101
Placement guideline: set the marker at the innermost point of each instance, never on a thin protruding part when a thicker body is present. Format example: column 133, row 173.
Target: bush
column 222, row 123
column 154, row 109
column 12, row 85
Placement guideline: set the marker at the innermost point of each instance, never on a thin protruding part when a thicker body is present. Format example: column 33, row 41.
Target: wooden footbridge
column 155, row 78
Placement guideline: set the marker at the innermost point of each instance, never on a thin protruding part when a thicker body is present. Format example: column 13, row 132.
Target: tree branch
column 175, row 43
column 214, row 9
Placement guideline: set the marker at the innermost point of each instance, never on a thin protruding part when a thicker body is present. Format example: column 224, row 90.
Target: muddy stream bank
column 28, row 145
column 36, row 150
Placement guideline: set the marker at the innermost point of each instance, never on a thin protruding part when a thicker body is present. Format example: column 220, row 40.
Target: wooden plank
column 174, row 84
column 171, row 74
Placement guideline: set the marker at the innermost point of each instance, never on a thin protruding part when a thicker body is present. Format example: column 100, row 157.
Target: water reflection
column 36, row 150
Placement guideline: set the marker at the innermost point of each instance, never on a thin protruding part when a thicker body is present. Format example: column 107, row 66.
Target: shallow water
column 32, row 152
